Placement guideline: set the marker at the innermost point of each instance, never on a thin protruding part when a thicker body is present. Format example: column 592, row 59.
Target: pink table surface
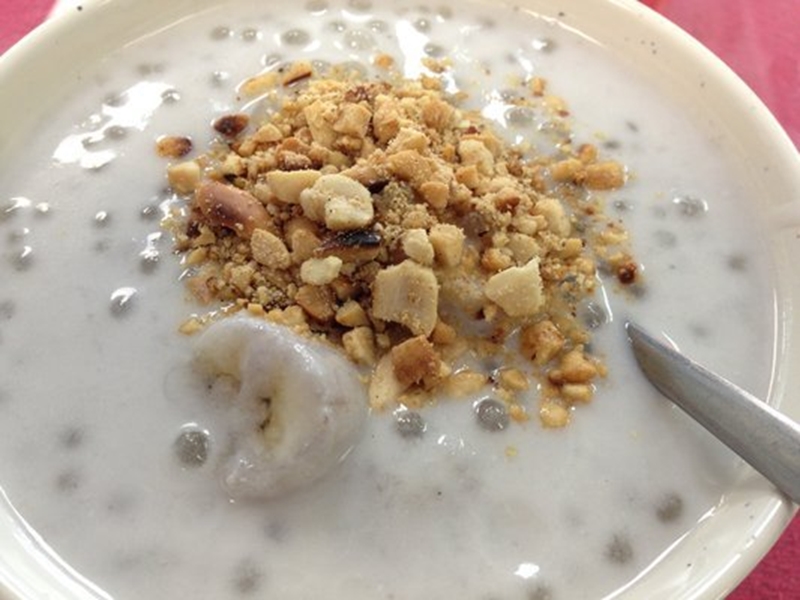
column 760, row 41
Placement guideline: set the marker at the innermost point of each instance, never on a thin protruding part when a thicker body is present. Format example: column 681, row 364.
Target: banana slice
column 315, row 405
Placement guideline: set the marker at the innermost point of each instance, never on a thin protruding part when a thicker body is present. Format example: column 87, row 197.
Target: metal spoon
column 768, row 440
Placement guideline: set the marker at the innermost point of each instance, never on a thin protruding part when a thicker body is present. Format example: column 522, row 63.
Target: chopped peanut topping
column 382, row 217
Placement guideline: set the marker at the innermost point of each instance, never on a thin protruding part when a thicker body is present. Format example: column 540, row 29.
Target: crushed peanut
column 385, row 218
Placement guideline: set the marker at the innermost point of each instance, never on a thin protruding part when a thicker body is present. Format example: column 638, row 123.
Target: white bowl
column 723, row 547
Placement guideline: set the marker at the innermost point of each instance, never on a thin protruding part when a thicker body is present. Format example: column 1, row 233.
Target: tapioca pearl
column 619, row 550
column 42, row 209
column 102, row 218
column 699, row 330
column 321, row 67
column 11, row 206
column 122, row 301
column 271, row 60
column 358, row 40
column 221, row 33
column 192, row 446
column 623, row 206
column 71, row 438
column 669, row 508
column 219, row 78
column 544, row 45
column 170, row 96
column 665, row 239
column 277, row 531
column 689, row 206
column 116, row 99
column 359, row 5
column 378, row 26
column 17, row 236
column 354, row 68
column 150, row 212
column 22, row 260
column 296, row 37
column 251, row 34
column 248, row 577
column 737, row 262
column 594, row 315
column 8, row 308
column 116, row 132
column 316, row 7
column 434, row 50
column 68, row 481
column 120, row 503
column 540, row 592
column 659, row 212
column 410, row 424
column 444, row 13
column 520, row 116
column 422, row 25
column 146, row 69
column 491, row 414
column 337, row 26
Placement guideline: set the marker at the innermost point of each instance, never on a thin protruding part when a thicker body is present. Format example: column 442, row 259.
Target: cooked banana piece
column 315, row 405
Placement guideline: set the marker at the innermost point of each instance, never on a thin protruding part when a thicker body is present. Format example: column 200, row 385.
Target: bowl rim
column 64, row 36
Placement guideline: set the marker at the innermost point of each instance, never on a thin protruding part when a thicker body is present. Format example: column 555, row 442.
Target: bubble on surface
column 337, row 26
column 295, row 37
column 491, row 414
column 409, row 424
column 192, row 446
column 122, row 300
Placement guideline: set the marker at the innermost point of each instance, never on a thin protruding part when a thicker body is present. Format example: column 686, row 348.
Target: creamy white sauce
column 97, row 383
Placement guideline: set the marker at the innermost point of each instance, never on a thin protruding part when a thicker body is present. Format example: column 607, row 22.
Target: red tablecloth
column 758, row 40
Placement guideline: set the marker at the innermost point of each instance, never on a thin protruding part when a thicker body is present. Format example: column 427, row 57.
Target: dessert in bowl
column 115, row 446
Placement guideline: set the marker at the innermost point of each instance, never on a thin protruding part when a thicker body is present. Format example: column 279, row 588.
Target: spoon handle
column 768, row 440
